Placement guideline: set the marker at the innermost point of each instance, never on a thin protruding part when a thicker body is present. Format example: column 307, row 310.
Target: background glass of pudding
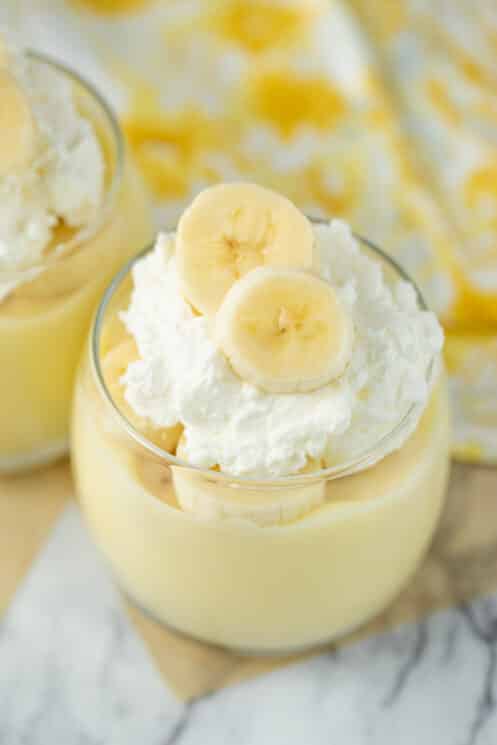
column 44, row 322
column 231, row 581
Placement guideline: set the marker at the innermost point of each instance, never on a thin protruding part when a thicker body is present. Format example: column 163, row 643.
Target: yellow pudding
column 268, row 551
column 45, row 318
column 251, row 588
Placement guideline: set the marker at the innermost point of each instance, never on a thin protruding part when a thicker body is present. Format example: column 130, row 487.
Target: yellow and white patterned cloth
column 399, row 137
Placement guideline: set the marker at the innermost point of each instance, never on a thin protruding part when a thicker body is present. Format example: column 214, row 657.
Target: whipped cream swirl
column 181, row 376
column 63, row 182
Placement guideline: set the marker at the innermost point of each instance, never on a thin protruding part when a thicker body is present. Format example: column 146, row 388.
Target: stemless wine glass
column 44, row 321
column 230, row 581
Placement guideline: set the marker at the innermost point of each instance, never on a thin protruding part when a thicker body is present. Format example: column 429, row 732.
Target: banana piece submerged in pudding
column 218, row 500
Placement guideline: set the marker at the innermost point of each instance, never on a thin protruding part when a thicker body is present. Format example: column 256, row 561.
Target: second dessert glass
column 43, row 322
column 253, row 588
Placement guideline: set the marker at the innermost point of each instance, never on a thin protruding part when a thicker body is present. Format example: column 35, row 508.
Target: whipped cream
column 62, row 183
column 181, row 376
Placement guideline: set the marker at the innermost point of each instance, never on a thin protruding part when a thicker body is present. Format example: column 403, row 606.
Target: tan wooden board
column 29, row 507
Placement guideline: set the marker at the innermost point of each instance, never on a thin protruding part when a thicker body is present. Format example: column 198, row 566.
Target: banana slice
column 211, row 500
column 114, row 365
column 284, row 330
column 17, row 125
column 230, row 229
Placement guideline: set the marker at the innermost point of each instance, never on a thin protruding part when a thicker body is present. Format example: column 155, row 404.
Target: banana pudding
column 261, row 425
column 72, row 212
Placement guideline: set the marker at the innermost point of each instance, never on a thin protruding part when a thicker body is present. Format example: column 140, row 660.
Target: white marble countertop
column 74, row 672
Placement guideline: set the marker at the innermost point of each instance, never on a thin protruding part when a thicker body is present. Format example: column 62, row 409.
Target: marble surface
column 73, row 671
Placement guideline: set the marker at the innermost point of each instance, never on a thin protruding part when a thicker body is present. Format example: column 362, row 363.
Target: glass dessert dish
column 47, row 298
column 258, row 565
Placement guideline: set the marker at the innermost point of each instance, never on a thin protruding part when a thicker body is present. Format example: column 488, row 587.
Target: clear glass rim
column 87, row 232
column 354, row 465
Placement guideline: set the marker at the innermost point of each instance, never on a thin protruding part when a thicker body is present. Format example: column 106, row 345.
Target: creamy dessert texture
column 72, row 211
column 53, row 168
column 262, row 350
column 182, row 377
